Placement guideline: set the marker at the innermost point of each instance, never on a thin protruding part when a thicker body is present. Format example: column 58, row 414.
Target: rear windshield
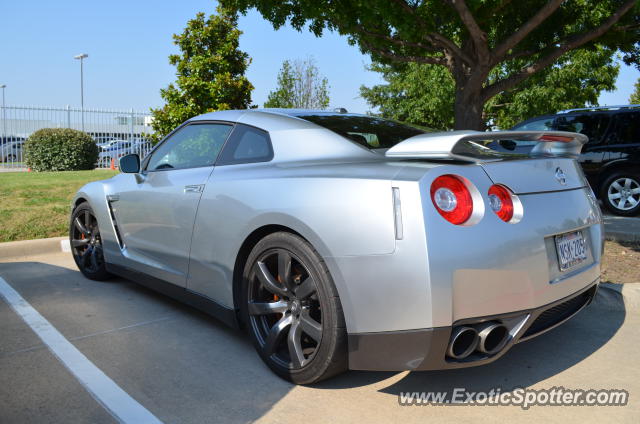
column 368, row 131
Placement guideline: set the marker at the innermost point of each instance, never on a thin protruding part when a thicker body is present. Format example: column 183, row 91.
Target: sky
column 128, row 43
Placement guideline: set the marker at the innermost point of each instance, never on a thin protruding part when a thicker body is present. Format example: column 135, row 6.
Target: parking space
column 185, row 367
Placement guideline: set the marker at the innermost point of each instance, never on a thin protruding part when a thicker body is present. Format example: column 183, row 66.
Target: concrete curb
column 17, row 249
column 620, row 228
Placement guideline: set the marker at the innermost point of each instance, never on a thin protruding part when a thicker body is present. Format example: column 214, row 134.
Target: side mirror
column 130, row 164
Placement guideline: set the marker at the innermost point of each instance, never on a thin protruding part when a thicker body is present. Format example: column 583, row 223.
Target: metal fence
column 116, row 132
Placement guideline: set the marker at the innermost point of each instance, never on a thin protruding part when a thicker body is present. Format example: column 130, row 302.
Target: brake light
column 452, row 199
column 500, row 201
column 560, row 138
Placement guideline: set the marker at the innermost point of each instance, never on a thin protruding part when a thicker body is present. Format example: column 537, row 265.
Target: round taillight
column 452, row 199
column 501, row 202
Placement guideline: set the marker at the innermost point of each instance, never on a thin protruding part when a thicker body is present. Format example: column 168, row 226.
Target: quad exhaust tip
column 487, row 338
column 464, row 341
column 492, row 337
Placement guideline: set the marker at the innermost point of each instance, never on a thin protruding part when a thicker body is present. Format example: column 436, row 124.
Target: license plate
column 572, row 249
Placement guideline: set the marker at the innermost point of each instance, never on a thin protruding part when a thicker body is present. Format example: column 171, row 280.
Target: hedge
column 60, row 149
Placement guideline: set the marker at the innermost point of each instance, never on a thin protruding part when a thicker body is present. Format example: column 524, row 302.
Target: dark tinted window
column 191, row 146
column 591, row 125
column 544, row 124
column 368, row 131
column 626, row 128
column 246, row 145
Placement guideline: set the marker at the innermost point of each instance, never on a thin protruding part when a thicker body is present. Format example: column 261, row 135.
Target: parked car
column 11, row 139
column 11, row 151
column 104, row 140
column 611, row 158
column 114, row 150
column 343, row 241
column 141, row 146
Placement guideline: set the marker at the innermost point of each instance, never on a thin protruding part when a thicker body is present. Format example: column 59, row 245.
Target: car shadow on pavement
column 525, row 364
column 179, row 363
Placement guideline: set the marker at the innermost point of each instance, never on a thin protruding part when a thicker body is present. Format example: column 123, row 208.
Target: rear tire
column 620, row 193
column 86, row 243
column 292, row 311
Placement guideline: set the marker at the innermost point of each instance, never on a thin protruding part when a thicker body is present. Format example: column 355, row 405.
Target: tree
column 423, row 94
column 416, row 93
column 634, row 99
column 300, row 86
column 210, row 72
column 488, row 46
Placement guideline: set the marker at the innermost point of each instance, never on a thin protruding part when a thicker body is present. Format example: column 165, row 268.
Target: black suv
column 611, row 158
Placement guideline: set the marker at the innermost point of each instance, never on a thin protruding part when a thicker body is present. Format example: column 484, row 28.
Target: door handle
column 196, row 188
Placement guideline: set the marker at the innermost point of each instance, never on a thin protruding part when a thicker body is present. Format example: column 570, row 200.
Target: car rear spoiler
column 466, row 146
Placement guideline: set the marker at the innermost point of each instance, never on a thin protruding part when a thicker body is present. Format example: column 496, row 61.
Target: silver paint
column 339, row 196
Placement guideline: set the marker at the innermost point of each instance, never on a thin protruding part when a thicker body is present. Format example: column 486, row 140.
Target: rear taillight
column 559, row 138
column 501, row 202
column 452, row 199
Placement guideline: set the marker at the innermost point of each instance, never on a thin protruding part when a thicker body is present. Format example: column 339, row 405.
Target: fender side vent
column 114, row 222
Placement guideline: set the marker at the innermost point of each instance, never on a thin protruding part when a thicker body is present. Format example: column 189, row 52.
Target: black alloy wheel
column 292, row 310
column 284, row 310
column 86, row 243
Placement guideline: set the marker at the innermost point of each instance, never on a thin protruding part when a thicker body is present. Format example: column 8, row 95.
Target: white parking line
column 104, row 390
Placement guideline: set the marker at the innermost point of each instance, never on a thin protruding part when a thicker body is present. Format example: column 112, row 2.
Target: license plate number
column 572, row 249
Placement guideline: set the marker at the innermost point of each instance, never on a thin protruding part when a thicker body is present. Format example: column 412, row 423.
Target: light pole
column 4, row 116
column 81, row 57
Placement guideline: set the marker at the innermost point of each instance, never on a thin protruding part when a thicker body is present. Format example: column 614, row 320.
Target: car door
column 155, row 210
column 210, row 256
column 594, row 126
column 623, row 141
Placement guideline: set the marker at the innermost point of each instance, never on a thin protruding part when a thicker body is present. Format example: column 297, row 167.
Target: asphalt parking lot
column 184, row 367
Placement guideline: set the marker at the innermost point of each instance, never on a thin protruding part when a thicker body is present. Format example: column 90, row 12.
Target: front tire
column 292, row 310
column 86, row 243
column 620, row 193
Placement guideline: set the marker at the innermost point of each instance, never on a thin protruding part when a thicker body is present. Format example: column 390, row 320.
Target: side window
column 626, row 129
column 192, row 146
column 591, row 125
column 246, row 145
column 539, row 125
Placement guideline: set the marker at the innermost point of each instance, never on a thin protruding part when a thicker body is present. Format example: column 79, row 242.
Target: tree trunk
column 469, row 102
column 468, row 107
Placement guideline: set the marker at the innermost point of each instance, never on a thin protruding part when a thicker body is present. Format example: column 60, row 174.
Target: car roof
column 228, row 114
column 584, row 111
column 271, row 119
column 284, row 123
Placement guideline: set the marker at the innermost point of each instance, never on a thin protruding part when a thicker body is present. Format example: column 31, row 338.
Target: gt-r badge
column 562, row 179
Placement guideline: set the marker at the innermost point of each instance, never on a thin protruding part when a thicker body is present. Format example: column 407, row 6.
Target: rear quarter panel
column 342, row 209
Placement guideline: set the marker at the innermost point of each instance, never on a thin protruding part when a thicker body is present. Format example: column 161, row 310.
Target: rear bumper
column 425, row 349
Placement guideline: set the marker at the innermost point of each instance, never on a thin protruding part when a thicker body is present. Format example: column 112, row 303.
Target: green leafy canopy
column 635, row 96
column 424, row 94
column 210, row 72
column 487, row 46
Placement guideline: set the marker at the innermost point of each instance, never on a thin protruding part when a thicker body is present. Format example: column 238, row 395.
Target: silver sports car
column 342, row 241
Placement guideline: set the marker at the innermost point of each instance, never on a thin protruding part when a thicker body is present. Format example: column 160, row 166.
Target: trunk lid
column 536, row 175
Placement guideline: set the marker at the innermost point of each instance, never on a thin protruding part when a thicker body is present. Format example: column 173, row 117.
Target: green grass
column 37, row 204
